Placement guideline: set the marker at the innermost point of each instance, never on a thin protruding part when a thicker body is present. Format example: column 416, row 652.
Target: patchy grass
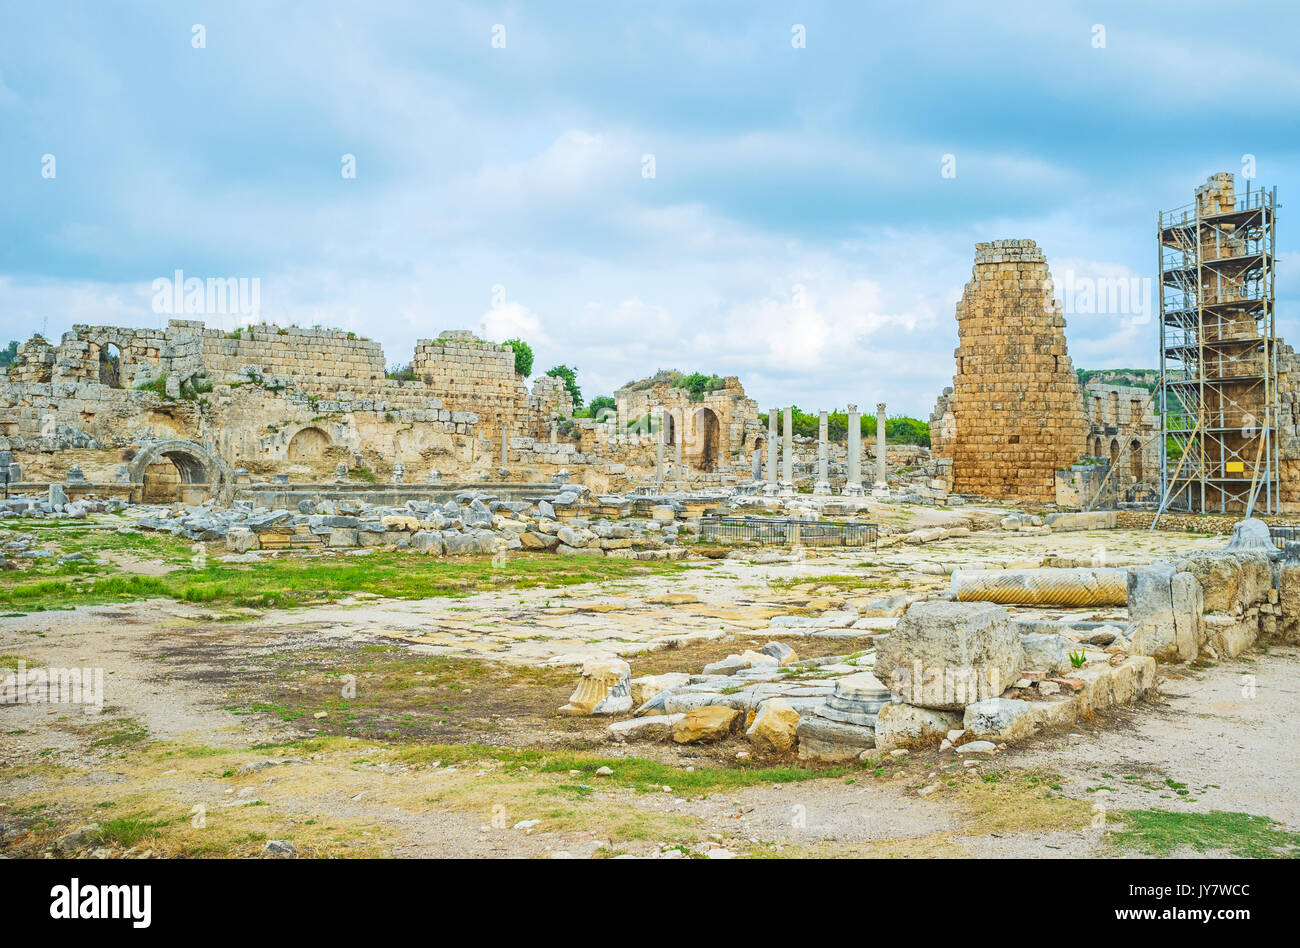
column 118, row 733
column 636, row 773
column 843, row 582
column 1161, row 833
column 303, row 580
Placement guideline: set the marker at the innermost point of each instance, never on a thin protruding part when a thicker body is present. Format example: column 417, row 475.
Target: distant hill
column 1148, row 379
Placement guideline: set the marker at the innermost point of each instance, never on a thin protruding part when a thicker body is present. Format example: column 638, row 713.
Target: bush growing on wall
column 570, row 379
column 523, row 356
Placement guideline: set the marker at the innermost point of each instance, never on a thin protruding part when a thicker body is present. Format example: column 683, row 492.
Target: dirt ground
column 222, row 730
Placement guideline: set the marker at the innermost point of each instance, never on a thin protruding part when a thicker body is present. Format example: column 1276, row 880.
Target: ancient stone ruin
column 1015, row 413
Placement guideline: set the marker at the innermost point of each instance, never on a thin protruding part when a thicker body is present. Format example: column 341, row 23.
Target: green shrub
column 523, row 356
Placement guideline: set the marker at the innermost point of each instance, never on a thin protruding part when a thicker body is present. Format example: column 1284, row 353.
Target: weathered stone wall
column 273, row 399
column 1124, row 430
column 472, row 375
column 1015, row 415
column 313, row 358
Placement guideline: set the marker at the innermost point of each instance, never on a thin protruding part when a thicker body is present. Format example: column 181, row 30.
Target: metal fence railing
column 767, row 530
column 1282, row 532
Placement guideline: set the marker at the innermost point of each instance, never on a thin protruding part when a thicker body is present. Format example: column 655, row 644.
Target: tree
column 523, row 356
column 8, row 352
column 570, row 378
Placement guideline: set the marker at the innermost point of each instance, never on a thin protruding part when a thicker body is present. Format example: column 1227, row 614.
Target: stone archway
column 192, row 464
column 703, row 435
column 308, row 444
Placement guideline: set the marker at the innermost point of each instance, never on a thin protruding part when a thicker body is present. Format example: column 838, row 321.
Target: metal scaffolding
column 1218, row 351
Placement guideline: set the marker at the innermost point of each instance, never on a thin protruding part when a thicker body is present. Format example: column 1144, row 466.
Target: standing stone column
column 853, row 488
column 787, row 453
column 770, row 488
column 881, row 482
column 823, row 485
column 758, row 465
column 680, row 437
column 657, row 419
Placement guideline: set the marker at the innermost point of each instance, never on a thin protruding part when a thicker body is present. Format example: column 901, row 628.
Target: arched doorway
column 308, row 444
column 704, row 436
column 1114, row 453
column 1135, row 461
column 178, row 470
column 110, row 365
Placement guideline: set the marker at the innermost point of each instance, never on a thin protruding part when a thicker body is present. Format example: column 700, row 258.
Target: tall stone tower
column 1014, row 415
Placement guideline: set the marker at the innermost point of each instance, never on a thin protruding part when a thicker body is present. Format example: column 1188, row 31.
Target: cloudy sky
column 788, row 192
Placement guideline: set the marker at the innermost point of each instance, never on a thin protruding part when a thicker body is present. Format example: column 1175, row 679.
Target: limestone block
column 1000, row 719
column 647, row 686
column 241, row 540
column 564, row 548
column 1229, row 635
column 342, row 536
column 1231, row 581
column 605, row 688
column 900, row 725
column 709, row 723
column 538, row 541
column 774, row 727
column 656, row 728
column 826, row 741
column 947, row 655
column 1049, row 652
column 427, row 541
column 1289, row 601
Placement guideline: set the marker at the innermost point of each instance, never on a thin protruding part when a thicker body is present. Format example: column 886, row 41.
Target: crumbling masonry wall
column 1015, row 414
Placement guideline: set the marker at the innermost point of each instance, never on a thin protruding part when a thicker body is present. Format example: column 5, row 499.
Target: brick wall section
column 1016, row 407
column 472, row 375
column 311, row 357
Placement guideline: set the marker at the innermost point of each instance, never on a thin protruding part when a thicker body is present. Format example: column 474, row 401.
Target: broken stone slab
column 774, row 727
column 241, row 540
column 656, row 728
column 1232, row 581
column 708, row 723
column 1083, row 520
column 890, row 607
column 829, row 741
column 946, row 655
column 1008, row 719
column 905, row 726
column 783, row 653
column 1103, row 686
column 1049, row 652
column 726, row 666
column 647, row 686
column 681, row 702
